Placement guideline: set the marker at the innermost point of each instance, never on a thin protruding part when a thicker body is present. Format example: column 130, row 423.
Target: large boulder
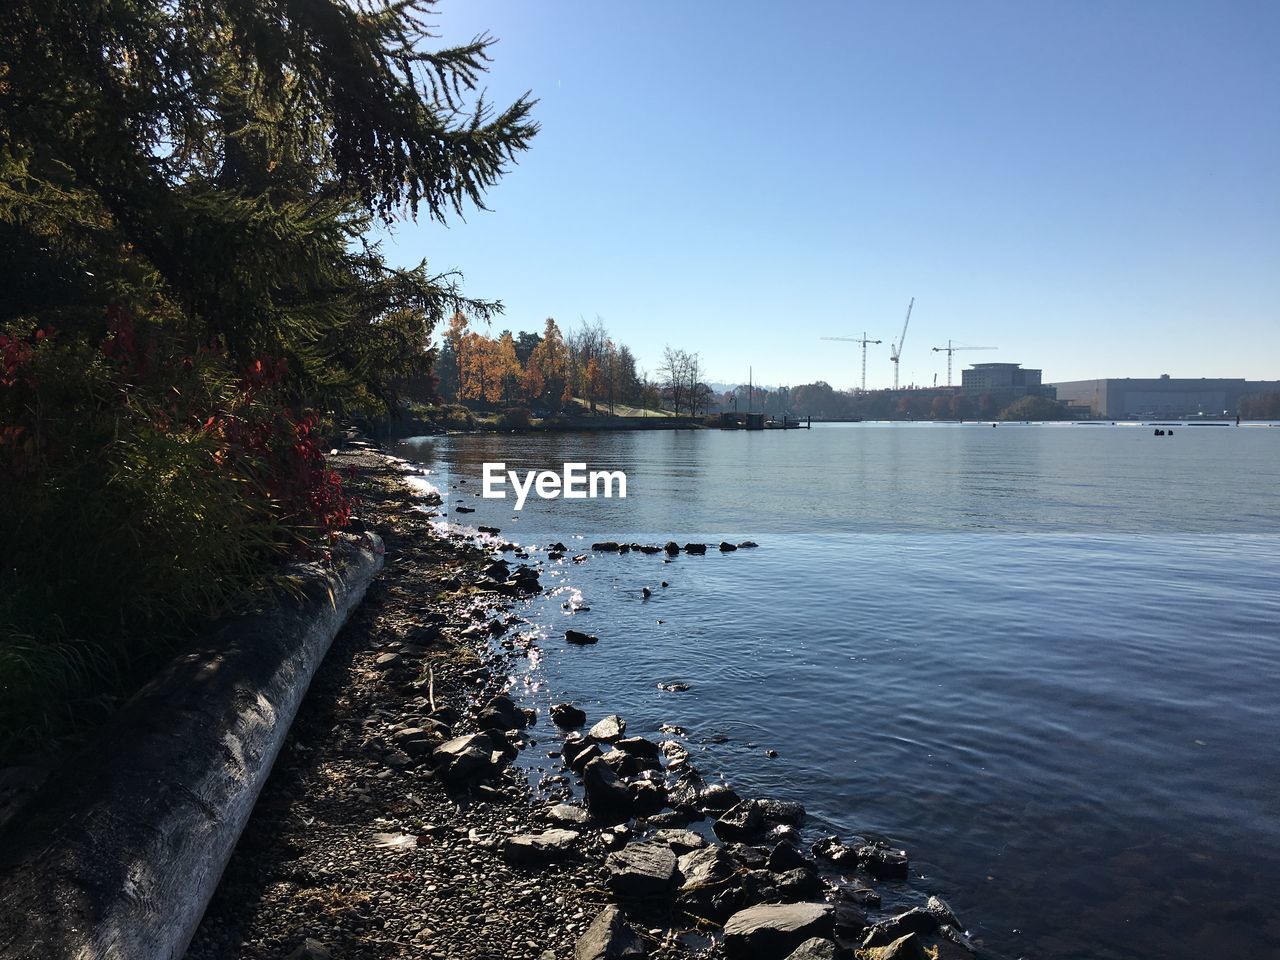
column 537, row 849
column 681, row 841
column 717, row 797
column 770, row 931
column 611, row 728
column 781, row 811
column 501, row 713
column 567, row 715
column 882, row 862
column 465, row 758
column 606, row 794
column 705, row 868
column 608, row 938
column 578, row 751
column 568, row 815
column 645, row 749
column 740, row 823
column 642, row 870
column 579, row 638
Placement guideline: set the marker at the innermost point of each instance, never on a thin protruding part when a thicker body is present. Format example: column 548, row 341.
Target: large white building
column 1119, row 398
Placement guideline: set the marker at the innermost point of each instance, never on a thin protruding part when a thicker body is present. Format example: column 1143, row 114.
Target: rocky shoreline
column 396, row 825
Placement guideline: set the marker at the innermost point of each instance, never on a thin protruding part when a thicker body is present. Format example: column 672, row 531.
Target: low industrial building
column 1122, row 398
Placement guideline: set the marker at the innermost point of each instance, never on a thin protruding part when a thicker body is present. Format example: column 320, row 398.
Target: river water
column 1045, row 659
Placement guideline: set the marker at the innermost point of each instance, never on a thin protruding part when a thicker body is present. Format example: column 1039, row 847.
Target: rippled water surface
column 1044, row 659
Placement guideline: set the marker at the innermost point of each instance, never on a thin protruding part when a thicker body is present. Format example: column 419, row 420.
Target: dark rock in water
column 914, row 920
column 740, row 823
column 463, row 510
column 640, row 747
column 851, row 920
column 465, row 758
column 677, row 755
column 646, row 592
column 785, row 856
column 940, row 909
column 558, row 546
column 747, row 544
column 672, row 548
column 782, row 811
column 606, row 794
column 681, row 841
column 884, row 862
column 502, row 714
column 816, row 948
column 831, row 849
column 642, row 870
column 607, row 546
column 727, row 547
column 695, row 548
column 580, row 638
column 718, row 796
column 567, row 715
column 771, row 931
column 675, row 686
column 650, row 797
column 608, row 938
column 649, row 548
column 909, row 947
column 683, row 796
column 539, row 849
column 624, row 548
column 490, row 530
column 800, row 883
column 860, row 895
column 951, row 944
column 611, row 728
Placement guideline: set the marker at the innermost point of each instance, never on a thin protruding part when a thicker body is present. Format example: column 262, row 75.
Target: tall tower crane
column 864, row 341
column 949, row 350
column 895, row 350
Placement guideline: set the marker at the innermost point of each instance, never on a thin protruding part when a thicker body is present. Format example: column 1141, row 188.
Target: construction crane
column 949, row 350
column 864, row 341
column 895, row 350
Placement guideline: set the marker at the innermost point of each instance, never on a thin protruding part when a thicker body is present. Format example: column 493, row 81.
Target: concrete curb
column 117, row 855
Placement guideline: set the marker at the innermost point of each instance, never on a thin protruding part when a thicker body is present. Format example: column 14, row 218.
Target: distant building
column 1005, row 382
column 1165, row 396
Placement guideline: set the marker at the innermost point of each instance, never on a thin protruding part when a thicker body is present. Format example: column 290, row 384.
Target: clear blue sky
column 1093, row 188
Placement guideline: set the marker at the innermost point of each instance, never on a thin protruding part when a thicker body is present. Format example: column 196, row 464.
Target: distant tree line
column 548, row 371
